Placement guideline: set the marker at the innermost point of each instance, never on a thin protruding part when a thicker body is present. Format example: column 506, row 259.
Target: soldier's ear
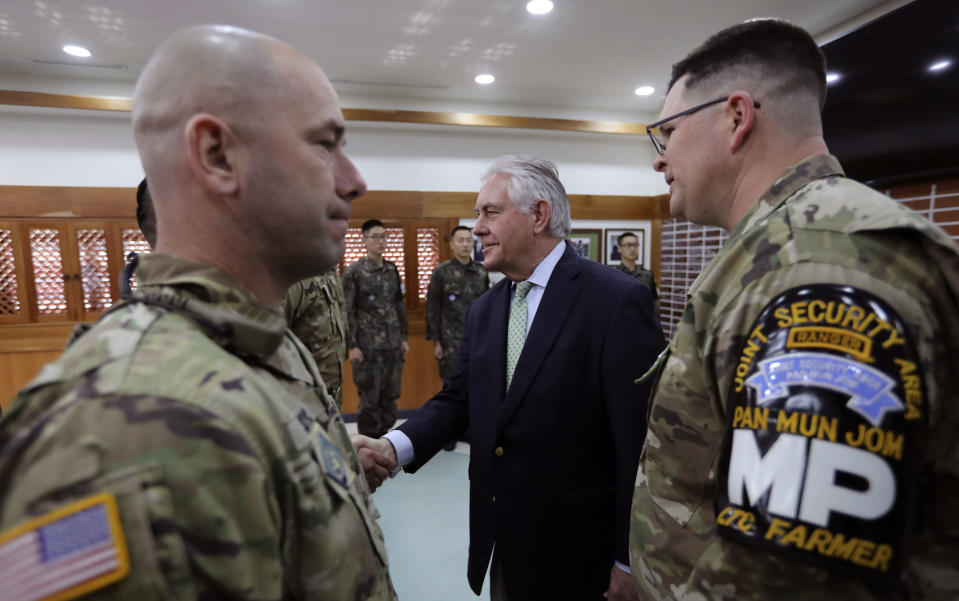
column 741, row 111
column 213, row 153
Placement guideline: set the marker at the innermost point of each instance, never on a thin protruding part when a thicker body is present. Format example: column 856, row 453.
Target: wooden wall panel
column 60, row 201
column 110, row 103
column 55, row 201
column 24, row 350
column 17, row 369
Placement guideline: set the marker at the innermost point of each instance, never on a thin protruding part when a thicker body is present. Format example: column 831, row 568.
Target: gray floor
column 424, row 517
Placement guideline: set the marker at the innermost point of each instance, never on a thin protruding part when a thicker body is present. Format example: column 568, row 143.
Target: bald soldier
column 802, row 436
column 186, row 447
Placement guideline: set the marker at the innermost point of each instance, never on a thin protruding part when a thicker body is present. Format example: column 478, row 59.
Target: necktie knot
column 522, row 289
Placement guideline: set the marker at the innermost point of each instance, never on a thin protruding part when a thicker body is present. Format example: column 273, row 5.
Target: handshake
column 377, row 458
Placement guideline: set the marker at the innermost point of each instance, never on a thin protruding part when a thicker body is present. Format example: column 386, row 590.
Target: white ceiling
column 587, row 54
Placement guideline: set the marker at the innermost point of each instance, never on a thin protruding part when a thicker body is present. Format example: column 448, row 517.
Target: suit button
column 499, row 451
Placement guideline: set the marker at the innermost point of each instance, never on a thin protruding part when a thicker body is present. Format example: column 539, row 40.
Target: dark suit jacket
column 553, row 459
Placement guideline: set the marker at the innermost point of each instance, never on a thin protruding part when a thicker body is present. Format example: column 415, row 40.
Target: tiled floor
column 424, row 517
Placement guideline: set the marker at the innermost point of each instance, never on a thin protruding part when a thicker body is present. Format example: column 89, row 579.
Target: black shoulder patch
column 826, row 425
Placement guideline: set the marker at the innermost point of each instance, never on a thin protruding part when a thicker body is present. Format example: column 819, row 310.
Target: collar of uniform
column 471, row 266
column 215, row 297
column 368, row 264
column 794, row 178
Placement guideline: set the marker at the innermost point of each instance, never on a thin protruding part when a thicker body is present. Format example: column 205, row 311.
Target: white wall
column 410, row 157
column 48, row 147
column 56, row 147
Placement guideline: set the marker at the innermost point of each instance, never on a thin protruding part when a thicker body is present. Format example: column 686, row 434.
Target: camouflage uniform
column 646, row 277
column 203, row 421
column 812, row 227
column 453, row 288
column 377, row 320
column 316, row 312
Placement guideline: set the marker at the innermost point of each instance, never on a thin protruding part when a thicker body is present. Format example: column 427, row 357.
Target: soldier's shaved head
column 226, row 71
column 241, row 139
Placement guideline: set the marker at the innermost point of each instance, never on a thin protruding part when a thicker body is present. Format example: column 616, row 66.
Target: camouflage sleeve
column 203, row 510
column 196, row 513
column 841, row 341
column 433, row 306
column 400, row 304
column 349, row 294
column 292, row 303
column 826, row 419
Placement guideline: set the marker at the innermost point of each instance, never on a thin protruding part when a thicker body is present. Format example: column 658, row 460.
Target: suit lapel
column 496, row 334
column 551, row 316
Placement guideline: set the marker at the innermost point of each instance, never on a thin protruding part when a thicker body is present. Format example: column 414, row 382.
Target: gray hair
column 532, row 179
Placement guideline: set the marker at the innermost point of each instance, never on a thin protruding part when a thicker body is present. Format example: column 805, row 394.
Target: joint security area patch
column 826, row 419
column 66, row 553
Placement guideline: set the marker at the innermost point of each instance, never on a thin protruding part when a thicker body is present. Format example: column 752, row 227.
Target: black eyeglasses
column 655, row 132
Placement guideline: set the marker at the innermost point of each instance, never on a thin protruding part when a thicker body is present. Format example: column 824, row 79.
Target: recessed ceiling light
column 484, row 78
column 76, row 51
column 940, row 65
column 832, row 77
column 539, row 7
column 644, row 90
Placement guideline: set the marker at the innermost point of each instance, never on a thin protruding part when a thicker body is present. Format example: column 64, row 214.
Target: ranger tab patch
column 826, row 420
column 66, row 553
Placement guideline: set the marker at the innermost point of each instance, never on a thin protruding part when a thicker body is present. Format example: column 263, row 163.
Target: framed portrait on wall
column 612, row 246
column 586, row 243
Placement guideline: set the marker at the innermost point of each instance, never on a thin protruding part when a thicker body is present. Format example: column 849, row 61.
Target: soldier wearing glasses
column 628, row 244
column 801, row 440
column 377, row 332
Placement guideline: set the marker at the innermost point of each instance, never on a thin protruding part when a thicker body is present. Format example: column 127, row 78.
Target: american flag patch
column 65, row 553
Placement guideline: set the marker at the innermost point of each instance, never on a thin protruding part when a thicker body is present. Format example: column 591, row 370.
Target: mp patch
column 826, row 420
column 66, row 553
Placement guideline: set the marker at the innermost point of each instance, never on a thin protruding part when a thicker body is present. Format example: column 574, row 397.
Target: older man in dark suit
column 545, row 382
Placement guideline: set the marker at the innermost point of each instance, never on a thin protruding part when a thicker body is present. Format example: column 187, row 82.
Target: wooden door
column 14, row 301
column 49, row 271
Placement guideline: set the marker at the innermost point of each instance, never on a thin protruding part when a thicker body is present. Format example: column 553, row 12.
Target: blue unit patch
column 333, row 462
column 826, row 419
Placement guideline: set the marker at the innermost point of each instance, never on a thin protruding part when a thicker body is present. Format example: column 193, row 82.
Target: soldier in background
column 453, row 287
column 316, row 312
column 628, row 244
column 377, row 332
column 186, row 442
column 802, row 436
